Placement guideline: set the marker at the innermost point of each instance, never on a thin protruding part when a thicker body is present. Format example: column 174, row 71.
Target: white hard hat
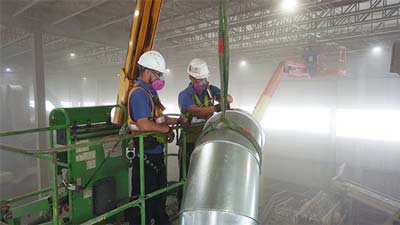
column 152, row 60
column 198, row 69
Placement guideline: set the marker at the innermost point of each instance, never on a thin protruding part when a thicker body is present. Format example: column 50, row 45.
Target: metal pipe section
column 223, row 179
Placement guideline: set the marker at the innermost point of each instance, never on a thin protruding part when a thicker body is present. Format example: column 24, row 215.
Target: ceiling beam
column 71, row 30
column 100, row 2
column 106, row 24
column 15, row 40
column 26, row 7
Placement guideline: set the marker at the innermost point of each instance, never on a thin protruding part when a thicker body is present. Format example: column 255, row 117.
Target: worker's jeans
column 155, row 178
column 189, row 150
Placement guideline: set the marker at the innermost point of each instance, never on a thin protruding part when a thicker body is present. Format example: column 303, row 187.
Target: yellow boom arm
column 141, row 40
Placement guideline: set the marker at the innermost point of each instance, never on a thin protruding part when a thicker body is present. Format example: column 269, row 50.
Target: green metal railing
column 51, row 155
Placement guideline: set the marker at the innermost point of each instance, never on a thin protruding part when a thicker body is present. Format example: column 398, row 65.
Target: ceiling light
column 72, row 54
column 84, row 78
column 289, row 5
column 136, row 12
column 8, row 69
column 377, row 49
column 167, row 70
column 243, row 63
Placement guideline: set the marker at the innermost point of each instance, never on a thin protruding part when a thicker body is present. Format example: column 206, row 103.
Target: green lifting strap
column 223, row 50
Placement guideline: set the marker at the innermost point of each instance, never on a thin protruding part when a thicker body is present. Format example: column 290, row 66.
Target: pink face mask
column 158, row 83
column 200, row 86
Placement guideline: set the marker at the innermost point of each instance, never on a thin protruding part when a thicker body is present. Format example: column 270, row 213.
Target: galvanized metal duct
column 223, row 178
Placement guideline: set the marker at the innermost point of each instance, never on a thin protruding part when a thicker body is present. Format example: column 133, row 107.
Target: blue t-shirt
column 186, row 100
column 140, row 107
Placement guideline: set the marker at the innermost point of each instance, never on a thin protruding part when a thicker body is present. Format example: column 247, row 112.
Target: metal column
column 40, row 104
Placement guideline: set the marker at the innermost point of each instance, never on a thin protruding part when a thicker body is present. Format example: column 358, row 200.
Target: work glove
column 217, row 107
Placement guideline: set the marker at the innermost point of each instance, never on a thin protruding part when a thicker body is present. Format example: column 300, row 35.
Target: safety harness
column 156, row 115
column 197, row 124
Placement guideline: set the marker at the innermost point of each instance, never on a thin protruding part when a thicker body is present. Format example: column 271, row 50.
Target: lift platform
column 89, row 162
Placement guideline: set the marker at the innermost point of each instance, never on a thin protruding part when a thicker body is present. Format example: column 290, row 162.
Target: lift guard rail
column 15, row 213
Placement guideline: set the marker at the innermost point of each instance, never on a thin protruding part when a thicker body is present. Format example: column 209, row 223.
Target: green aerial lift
column 89, row 153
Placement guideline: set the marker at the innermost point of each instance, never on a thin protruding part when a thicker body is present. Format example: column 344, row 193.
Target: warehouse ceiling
column 97, row 31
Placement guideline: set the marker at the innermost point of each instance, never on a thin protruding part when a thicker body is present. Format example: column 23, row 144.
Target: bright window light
column 89, row 103
column 247, row 108
column 15, row 87
column 136, row 12
column 49, row 106
column 167, row 70
column 66, row 104
column 368, row 124
column 376, row 49
column 289, row 5
column 171, row 108
column 303, row 119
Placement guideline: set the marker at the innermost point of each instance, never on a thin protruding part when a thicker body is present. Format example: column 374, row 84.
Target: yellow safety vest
column 193, row 132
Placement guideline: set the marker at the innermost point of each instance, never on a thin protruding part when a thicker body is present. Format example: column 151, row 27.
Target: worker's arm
column 171, row 120
column 202, row 112
column 145, row 124
column 217, row 98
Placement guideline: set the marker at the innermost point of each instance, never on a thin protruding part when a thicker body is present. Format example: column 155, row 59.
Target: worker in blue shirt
column 146, row 115
column 196, row 103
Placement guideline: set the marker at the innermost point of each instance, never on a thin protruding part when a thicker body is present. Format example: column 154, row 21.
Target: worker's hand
column 218, row 108
column 217, row 97
column 170, row 135
column 229, row 99
column 183, row 123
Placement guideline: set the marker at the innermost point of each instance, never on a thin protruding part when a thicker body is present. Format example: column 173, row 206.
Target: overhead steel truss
column 256, row 29
column 261, row 28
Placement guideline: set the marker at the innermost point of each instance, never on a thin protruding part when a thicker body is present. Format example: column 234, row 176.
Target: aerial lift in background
column 315, row 61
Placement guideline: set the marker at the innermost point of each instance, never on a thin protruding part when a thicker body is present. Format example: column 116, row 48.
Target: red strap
column 221, row 47
column 247, row 132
